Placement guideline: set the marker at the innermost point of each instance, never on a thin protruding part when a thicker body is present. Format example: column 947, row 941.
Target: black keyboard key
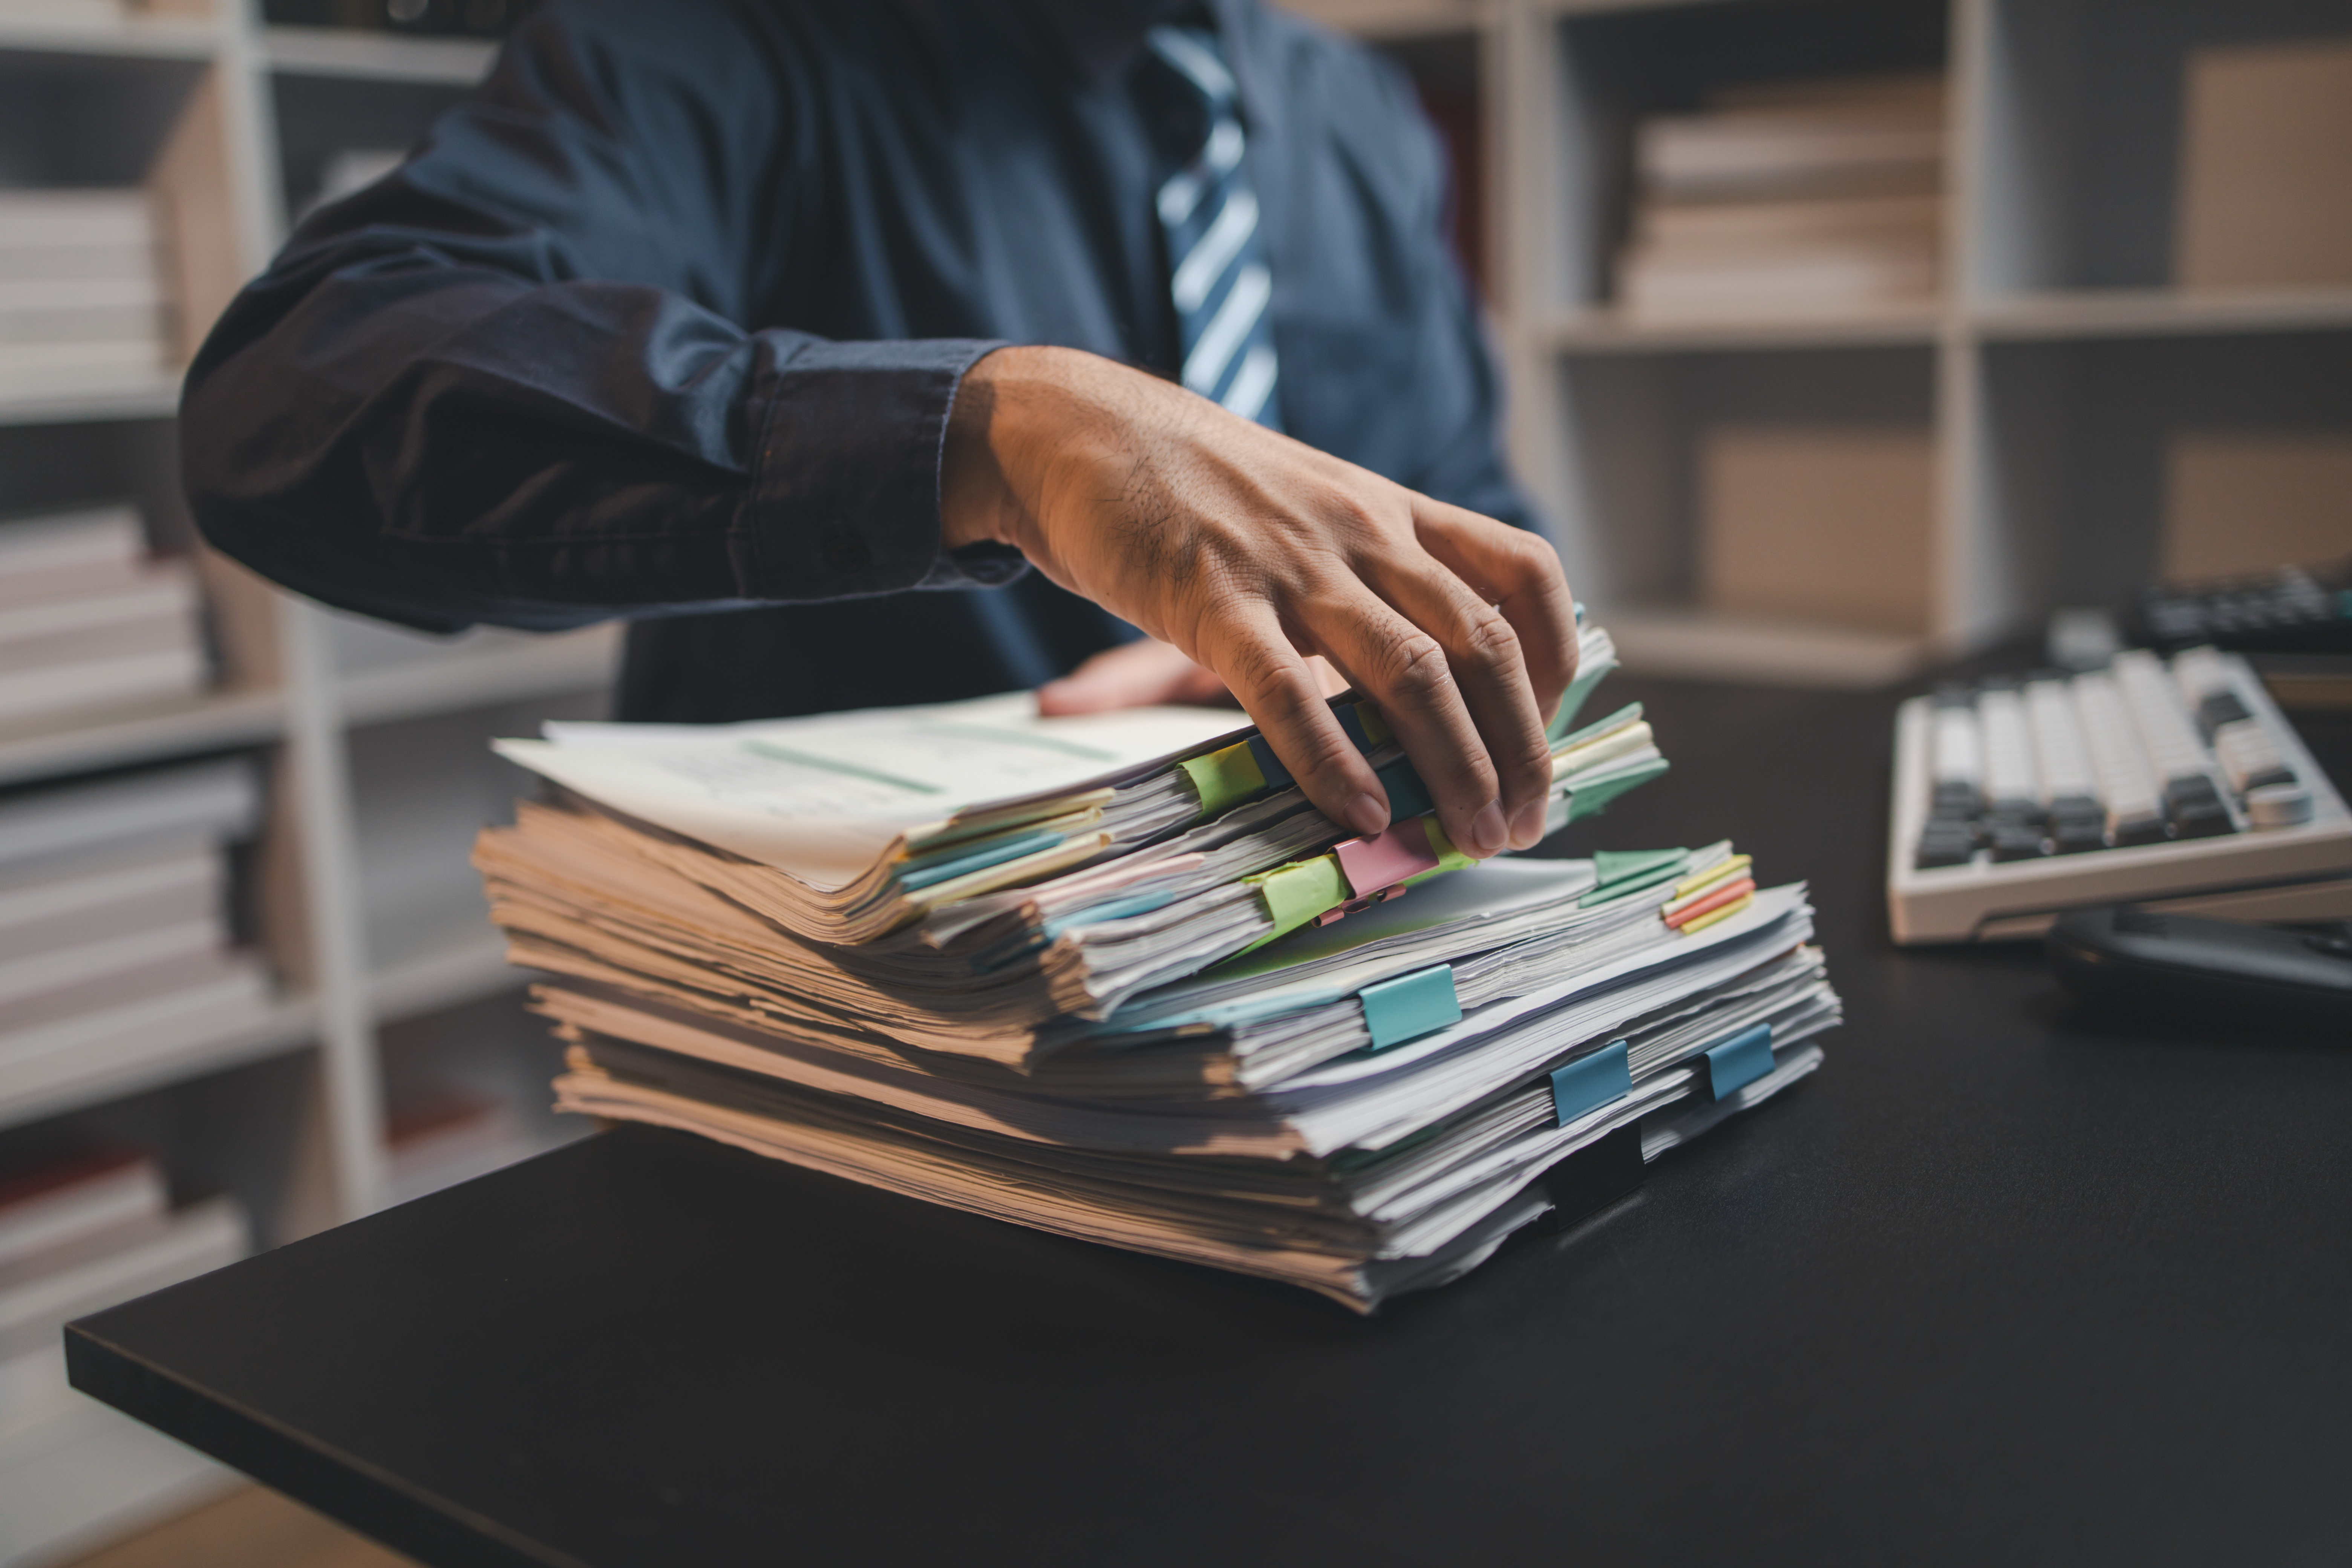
column 2195, row 807
column 2015, row 841
column 2220, row 708
column 1939, row 844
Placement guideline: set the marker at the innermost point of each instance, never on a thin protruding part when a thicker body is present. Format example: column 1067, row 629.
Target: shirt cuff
column 845, row 487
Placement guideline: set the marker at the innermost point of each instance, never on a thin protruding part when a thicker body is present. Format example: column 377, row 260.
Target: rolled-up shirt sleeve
column 506, row 384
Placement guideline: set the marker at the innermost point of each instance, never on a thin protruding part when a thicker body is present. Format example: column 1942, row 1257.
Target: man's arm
column 505, row 386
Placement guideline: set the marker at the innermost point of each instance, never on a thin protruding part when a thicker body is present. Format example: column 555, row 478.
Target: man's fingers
column 1408, row 671
column 1518, row 573
column 1137, row 674
column 1279, row 688
column 1482, row 650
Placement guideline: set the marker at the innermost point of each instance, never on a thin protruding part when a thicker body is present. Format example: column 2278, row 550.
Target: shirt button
column 847, row 553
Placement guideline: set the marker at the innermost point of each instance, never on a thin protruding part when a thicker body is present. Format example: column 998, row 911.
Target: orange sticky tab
column 1724, row 913
column 1713, row 900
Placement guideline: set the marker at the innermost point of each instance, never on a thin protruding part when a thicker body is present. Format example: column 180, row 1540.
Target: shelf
column 137, row 735
column 1608, row 333
column 155, row 398
column 2163, row 312
column 377, row 57
column 112, row 1067
column 507, row 669
column 1699, row 645
column 463, row 971
column 93, row 30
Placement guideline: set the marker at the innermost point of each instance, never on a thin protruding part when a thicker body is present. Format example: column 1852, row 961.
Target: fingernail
column 1367, row 815
column 1526, row 828
column 1488, row 834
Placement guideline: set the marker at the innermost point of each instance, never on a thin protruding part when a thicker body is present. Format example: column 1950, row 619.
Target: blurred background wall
column 1845, row 335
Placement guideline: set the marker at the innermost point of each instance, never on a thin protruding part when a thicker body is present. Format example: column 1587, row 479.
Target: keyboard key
column 1944, row 844
column 2194, row 807
column 2012, row 787
column 2127, row 788
column 2015, row 841
column 2278, row 805
column 1958, row 769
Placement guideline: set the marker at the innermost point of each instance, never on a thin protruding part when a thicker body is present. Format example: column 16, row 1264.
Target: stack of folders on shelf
column 1813, row 197
column 83, row 311
column 115, row 942
column 84, row 1225
column 1115, row 978
column 90, row 619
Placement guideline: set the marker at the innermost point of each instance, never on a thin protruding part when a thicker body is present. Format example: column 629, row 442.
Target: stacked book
column 88, row 619
column 1114, row 977
column 1814, row 197
column 83, row 1225
column 82, row 306
column 115, row 942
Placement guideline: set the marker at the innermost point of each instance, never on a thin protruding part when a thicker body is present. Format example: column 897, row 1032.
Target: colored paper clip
column 1411, row 1005
column 1583, row 1086
column 1397, row 852
column 1604, row 1171
column 1738, row 1061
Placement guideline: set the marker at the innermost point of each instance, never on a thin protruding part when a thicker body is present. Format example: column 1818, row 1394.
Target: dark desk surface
column 1991, row 1287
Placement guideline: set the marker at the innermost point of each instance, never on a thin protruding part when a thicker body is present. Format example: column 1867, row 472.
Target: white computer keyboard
column 2176, row 785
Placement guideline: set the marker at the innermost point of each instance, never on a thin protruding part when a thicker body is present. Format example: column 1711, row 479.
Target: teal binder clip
column 1588, row 1083
column 1739, row 1061
column 1409, row 1006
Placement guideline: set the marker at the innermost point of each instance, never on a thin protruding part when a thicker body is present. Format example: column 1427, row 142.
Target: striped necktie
column 1216, row 255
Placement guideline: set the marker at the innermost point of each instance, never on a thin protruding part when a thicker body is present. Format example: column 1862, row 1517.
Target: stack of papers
column 1114, row 977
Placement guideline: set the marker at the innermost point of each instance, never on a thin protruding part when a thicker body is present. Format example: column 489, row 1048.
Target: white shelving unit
column 374, row 739
column 2047, row 374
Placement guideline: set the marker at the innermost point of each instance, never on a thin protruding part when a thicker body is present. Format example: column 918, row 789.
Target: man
column 792, row 328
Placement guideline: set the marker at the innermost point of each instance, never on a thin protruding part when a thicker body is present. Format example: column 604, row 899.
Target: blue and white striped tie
column 1216, row 256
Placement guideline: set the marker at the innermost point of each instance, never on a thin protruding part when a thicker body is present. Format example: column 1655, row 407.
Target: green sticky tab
column 1588, row 799
column 1223, row 779
column 1628, row 714
column 1375, row 728
column 1613, row 866
column 1609, row 892
column 1587, row 678
column 1409, row 1006
column 1449, row 858
column 1299, row 891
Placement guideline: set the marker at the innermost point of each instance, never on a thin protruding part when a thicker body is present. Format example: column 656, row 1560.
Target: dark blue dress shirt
column 664, row 322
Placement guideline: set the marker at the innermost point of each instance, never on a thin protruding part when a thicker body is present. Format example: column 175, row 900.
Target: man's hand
column 1251, row 552
column 1146, row 671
